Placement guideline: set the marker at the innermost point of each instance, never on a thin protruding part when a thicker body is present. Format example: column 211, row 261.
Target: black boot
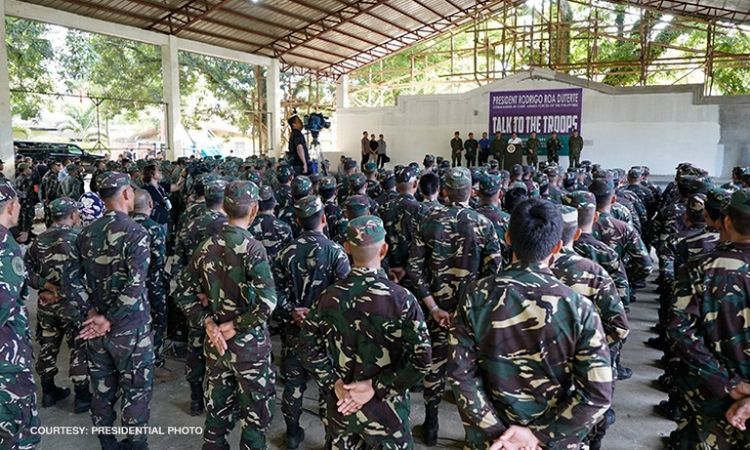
column 52, row 394
column 294, row 436
column 196, row 399
column 109, row 442
column 430, row 427
column 82, row 401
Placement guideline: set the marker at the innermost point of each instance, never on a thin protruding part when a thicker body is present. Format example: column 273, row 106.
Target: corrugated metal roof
column 331, row 36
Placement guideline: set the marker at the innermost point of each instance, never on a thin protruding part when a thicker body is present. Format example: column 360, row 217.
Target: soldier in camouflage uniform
column 304, row 269
column 354, row 206
column 28, row 198
column 284, row 175
column 50, row 188
column 590, row 247
column 398, row 217
column 529, row 362
column 228, row 289
column 327, row 190
column 490, row 198
column 273, row 233
column 429, row 189
column 156, row 283
column 71, row 186
column 388, row 185
column 301, row 187
column 115, row 257
column 358, row 186
column 17, row 389
column 373, row 189
column 343, row 190
column 711, row 337
column 367, row 344
column 592, row 282
column 453, row 247
column 49, row 260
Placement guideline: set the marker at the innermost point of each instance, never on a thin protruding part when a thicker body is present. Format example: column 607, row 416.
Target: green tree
column 29, row 57
column 82, row 122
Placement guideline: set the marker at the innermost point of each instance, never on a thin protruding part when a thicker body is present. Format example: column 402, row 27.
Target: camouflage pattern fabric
column 115, row 255
column 591, row 248
column 334, row 216
column 28, row 198
column 627, row 243
column 71, row 187
column 232, row 270
column 18, row 406
column 397, row 215
column 500, row 220
column 50, row 258
column 527, row 350
column 368, row 328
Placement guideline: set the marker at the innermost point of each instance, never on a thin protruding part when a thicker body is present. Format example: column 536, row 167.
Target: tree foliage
column 29, row 54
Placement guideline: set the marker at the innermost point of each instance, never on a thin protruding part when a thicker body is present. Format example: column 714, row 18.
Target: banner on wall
column 540, row 111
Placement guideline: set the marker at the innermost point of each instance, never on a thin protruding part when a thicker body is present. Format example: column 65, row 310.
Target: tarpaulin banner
column 540, row 111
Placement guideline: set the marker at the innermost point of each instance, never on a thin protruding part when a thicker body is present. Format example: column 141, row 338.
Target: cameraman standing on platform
column 298, row 147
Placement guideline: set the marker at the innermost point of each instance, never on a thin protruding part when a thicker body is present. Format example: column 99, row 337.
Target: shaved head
column 143, row 200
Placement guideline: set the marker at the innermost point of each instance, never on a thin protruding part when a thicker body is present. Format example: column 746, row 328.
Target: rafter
column 189, row 12
column 693, row 8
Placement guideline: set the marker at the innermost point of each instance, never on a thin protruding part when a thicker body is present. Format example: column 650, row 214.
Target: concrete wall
column 735, row 135
column 660, row 127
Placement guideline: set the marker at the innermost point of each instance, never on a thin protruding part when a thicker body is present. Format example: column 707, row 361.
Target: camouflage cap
column 517, row 169
column 241, row 193
column 457, row 178
column 308, row 206
column 7, row 192
column 696, row 203
column 266, row 194
column 349, row 164
column 71, row 168
column 214, row 189
column 551, row 171
column 494, row 164
column 601, row 188
column 580, row 200
column 387, row 179
column 365, row 230
column 24, row 166
column 315, row 178
column 357, row 180
column 518, row 185
column 718, row 199
column 635, row 172
column 406, row 174
column 113, row 180
column 327, row 183
column 428, row 159
column 740, row 201
column 370, row 167
column 490, row 184
column 569, row 214
column 62, row 206
column 301, row 186
column 357, row 205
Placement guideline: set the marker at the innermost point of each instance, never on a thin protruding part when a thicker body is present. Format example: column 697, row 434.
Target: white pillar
column 170, row 69
column 273, row 106
column 6, row 127
column 342, row 92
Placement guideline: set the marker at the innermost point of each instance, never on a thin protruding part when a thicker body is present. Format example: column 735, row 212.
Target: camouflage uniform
column 489, row 185
column 527, row 350
column 28, row 198
column 305, row 268
column 71, row 186
column 301, row 187
column 50, row 191
column 50, row 258
column 627, row 243
column 157, row 283
column 115, row 259
column 232, row 270
column 454, row 246
column 368, row 328
column 710, row 335
column 18, row 410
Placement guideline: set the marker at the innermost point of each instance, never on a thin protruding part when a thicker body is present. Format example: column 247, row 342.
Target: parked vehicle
column 40, row 151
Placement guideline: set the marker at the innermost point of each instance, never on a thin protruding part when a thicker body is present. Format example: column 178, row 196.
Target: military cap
column 457, row 178
column 718, row 199
column 308, row 206
column 349, row 164
column 494, row 164
column 580, row 200
column 551, row 171
column 315, row 178
column 476, row 175
column 406, row 175
column 254, row 176
column 428, row 159
column 285, row 171
column 519, row 185
column 740, row 201
column 370, row 167
column 489, row 184
column 7, row 192
column 601, row 188
column 24, row 166
column 504, row 174
column 266, row 194
column 387, row 179
column 214, row 189
column 517, row 169
column 696, row 203
column 569, row 214
column 445, row 164
column 62, row 206
column 113, row 180
column 357, row 180
column 71, row 168
column 241, row 192
column 635, row 172
column 327, row 183
column 357, row 205
column 365, row 230
column 301, row 186
column 414, row 165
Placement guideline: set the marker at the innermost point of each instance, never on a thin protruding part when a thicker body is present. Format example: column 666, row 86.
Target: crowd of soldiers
column 510, row 287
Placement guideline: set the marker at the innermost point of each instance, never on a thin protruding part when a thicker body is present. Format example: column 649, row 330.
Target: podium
column 512, row 155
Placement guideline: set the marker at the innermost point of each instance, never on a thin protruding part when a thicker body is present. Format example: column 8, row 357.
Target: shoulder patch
column 18, row 266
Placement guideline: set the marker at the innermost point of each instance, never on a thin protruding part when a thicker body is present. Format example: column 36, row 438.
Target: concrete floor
column 637, row 426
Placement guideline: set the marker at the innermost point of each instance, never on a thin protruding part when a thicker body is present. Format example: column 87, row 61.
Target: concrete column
column 342, row 92
column 273, row 106
column 170, row 69
column 6, row 127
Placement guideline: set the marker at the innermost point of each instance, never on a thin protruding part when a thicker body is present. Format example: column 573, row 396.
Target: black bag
column 386, row 159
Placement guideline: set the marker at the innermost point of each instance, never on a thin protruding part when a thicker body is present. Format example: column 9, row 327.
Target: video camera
column 315, row 123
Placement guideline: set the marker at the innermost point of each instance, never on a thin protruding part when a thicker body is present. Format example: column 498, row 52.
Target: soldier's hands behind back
column 95, row 326
column 516, row 438
column 48, row 297
column 442, row 317
column 227, row 330
column 358, row 394
column 299, row 315
column 215, row 337
column 203, row 298
column 738, row 413
column 740, row 391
